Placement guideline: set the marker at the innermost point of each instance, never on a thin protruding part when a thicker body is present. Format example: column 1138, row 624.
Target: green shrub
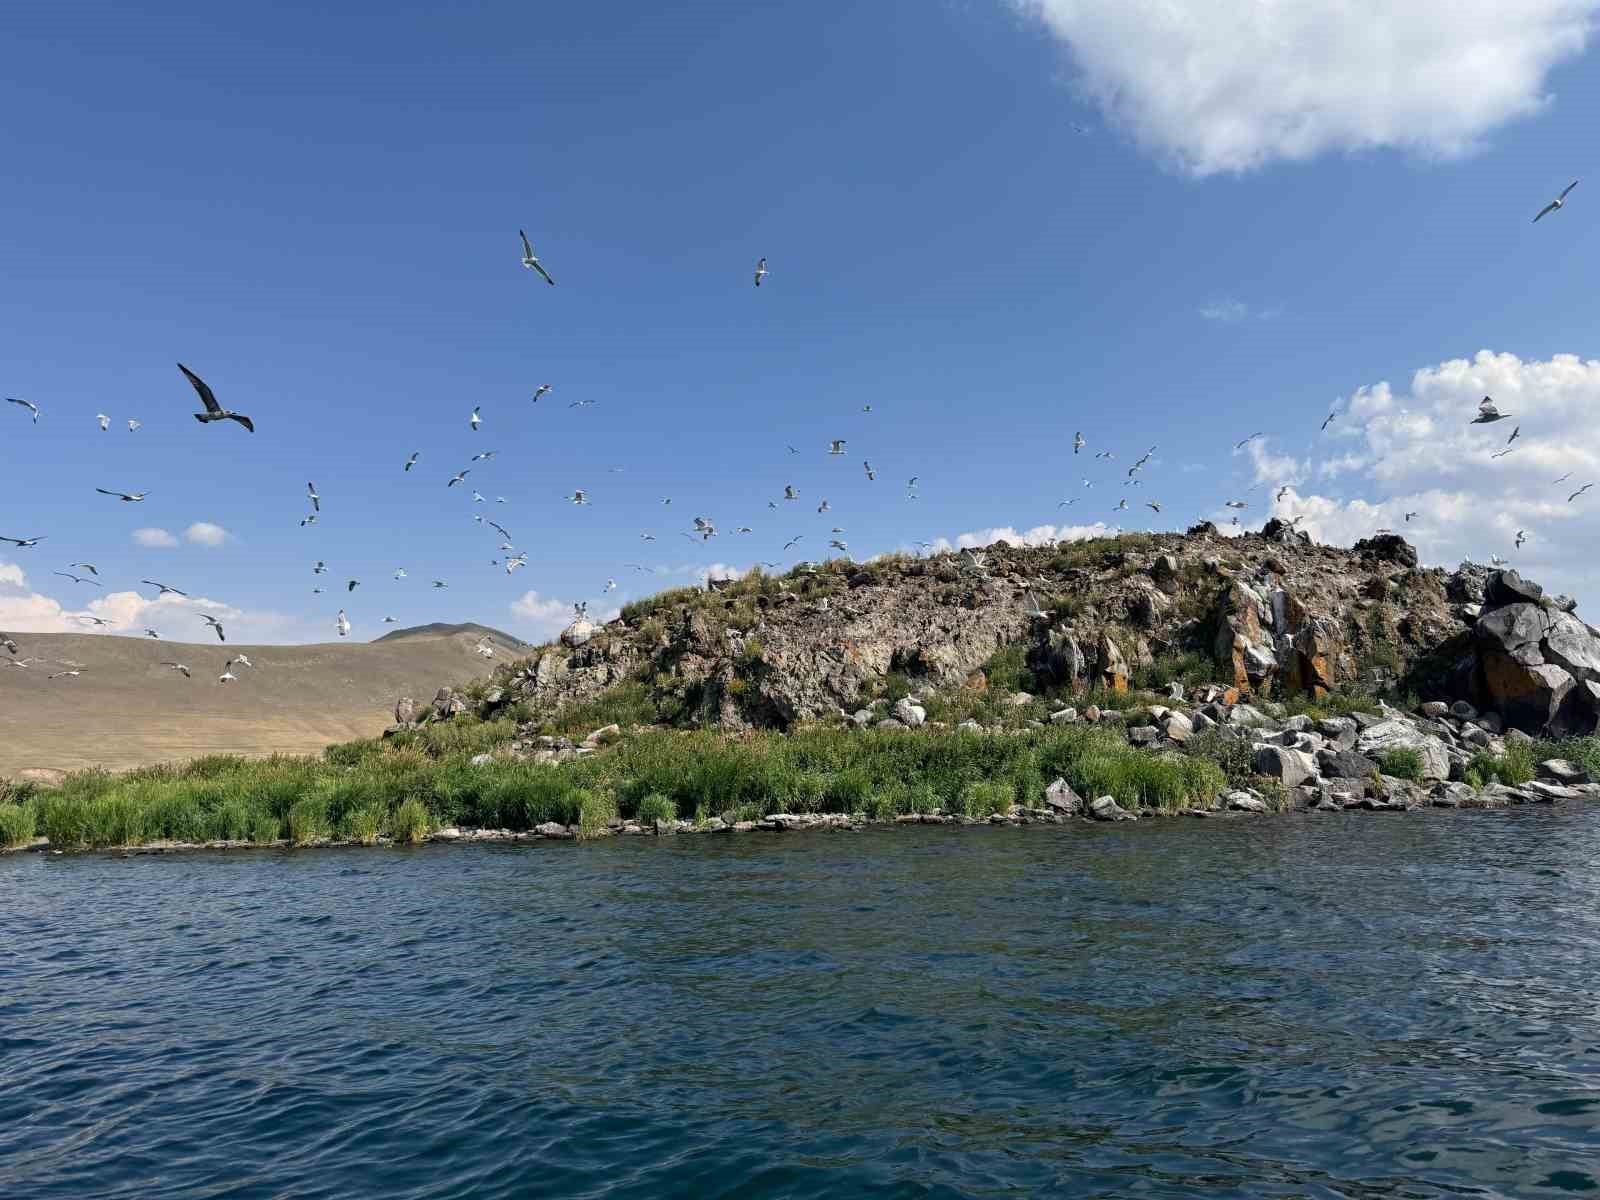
column 1234, row 756
column 308, row 820
column 1518, row 765
column 1401, row 763
column 983, row 798
column 596, row 810
column 17, row 824
column 410, row 823
column 364, row 824
column 656, row 807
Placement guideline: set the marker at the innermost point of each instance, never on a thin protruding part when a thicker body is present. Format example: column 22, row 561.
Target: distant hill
column 441, row 629
column 127, row 710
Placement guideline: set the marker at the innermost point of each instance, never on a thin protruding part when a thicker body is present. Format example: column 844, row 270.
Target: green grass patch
column 17, row 824
column 1401, row 763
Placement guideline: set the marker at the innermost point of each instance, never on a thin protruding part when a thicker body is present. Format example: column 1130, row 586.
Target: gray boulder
column 909, row 714
column 1395, row 734
column 1562, row 771
column 1288, row 767
column 1060, row 797
column 1106, row 808
column 1346, row 764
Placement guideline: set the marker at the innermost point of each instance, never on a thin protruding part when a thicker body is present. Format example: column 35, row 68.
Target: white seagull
column 836, row 446
column 215, row 624
column 27, row 404
column 133, row 425
column 125, row 497
column 412, row 461
column 541, row 390
column 164, row 589
column 180, row 668
column 1488, row 414
column 342, row 624
column 761, row 271
column 579, row 496
column 459, row 476
column 311, row 494
column 475, row 419
column 105, row 421
column 1559, row 202
column 532, row 262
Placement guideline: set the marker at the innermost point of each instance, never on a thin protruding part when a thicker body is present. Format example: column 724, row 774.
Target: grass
column 1519, row 763
column 1401, row 763
column 408, row 787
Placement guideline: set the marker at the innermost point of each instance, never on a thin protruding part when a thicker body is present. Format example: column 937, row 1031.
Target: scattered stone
column 1245, row 802
column 1435, row 709
column 1060, row 797
column 1064, row 716
column 891, row 723
column 1144, row 735
column 482, row 760
column 1560, row 770
column 1398, row 734
column 1106, row 808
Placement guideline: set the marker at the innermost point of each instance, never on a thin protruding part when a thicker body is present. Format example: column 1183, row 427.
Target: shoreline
column 1104, row 810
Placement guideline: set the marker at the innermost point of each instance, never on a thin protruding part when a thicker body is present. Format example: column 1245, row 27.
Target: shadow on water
column 1355, row 1006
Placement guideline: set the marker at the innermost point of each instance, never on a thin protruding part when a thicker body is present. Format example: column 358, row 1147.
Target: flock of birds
column 702, row 529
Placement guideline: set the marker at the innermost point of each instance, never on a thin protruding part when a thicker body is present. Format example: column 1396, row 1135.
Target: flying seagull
column 215, row 624
column 870, row 475
column 789, row 493
column 1282, row 492
column 792, row 450
column 27, row 404
column 520, row 560
column 163, row 588
column 1563, row 479
column 794, row 541
column 1502, row 453
column 125, row 497
column 459, row 476
column 1235, row 504
column 22, row 543
column 133, row 425
column 89, row 567
column 311, row 520
column 391, row 620
column 214, row 411
column 1521, row 537
column 152, row 633
column 1077, row 442
column 540, row 391
column 1153, row 504
column 1329, row 421
column 836, row 446
column 1516, row 432
column 180, row 668
column 1241, row 444
column 412, row 461
column 531, row 262
column 1558, row 202
column 823, row 507
column 761, row 271
column 1409, row 515
column 243, row 660
column 311, row 494
column 439, row 583
column 8, row 643
column 399, row 572
column 227, row 676
column 1579, row 492
column 475, row 419
column 484, row 455
column 342, row 624
column 75, row 578
column 1488, row 414
column 105, row 421
column 321, row 568
column 65, row 675
column 579, row 496
column 95, row 621
column 352, row 585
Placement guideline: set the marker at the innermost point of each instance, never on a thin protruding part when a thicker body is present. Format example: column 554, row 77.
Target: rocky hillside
column 1265, row 615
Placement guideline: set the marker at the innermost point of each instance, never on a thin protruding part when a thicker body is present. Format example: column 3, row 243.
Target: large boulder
column 1289, row 767
column 1538, row 667
column 1394, row 734
column 1508, row 587
column 1111, row 666
column 1387, row 547
column 1059, row 797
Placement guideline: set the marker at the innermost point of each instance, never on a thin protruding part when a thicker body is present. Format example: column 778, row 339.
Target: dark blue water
column 1372, row 1006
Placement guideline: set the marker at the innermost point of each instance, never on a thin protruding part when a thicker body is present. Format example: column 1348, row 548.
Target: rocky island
column 1110, row 679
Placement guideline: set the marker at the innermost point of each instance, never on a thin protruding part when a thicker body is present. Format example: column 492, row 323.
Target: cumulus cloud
column 546, row 616
column 12, row 574
column 1230, row 85
column 204, row 533
column 1039, row 535
column 155, row 539
column 1414, row 452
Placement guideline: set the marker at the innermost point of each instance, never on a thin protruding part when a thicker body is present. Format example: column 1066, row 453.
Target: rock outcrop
column 1274, row 613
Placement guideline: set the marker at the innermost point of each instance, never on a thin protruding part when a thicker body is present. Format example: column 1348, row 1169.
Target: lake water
column 1363, row 1006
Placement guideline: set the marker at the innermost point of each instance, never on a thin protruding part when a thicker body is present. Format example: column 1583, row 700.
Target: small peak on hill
column 445, row 629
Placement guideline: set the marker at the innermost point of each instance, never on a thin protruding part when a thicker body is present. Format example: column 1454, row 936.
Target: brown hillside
column 127, row 710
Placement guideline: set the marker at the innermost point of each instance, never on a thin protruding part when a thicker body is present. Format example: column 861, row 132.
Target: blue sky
column 316, row 208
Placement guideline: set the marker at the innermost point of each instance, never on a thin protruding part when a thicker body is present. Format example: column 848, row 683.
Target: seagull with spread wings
column 531, row 261
column 1559, row 202
column 27, row 404
column 215, row 624
column 22, row 543
column 164, row 589
column 761, row 271
column 75, row 578
column 125, row 497
column 214, row 411
column 1488, row 414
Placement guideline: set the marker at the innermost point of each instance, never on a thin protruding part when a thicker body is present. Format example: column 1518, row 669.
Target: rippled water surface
column 1373, row 1006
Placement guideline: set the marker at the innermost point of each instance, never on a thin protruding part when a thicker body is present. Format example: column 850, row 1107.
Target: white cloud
column 1417, row 452
column 1229, row 85
column 1229, row 311
column 176, row 618
column 546, row 616
column 1039, row 535
column 204, row 533
column 12, row 574
column 155, row 539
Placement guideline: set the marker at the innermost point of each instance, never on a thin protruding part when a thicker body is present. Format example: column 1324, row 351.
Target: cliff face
column 1267, row 614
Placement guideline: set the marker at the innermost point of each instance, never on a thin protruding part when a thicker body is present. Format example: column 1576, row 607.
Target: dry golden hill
column 127, row 710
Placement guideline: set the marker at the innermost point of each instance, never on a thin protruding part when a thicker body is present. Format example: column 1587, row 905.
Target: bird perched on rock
column 214, row 411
